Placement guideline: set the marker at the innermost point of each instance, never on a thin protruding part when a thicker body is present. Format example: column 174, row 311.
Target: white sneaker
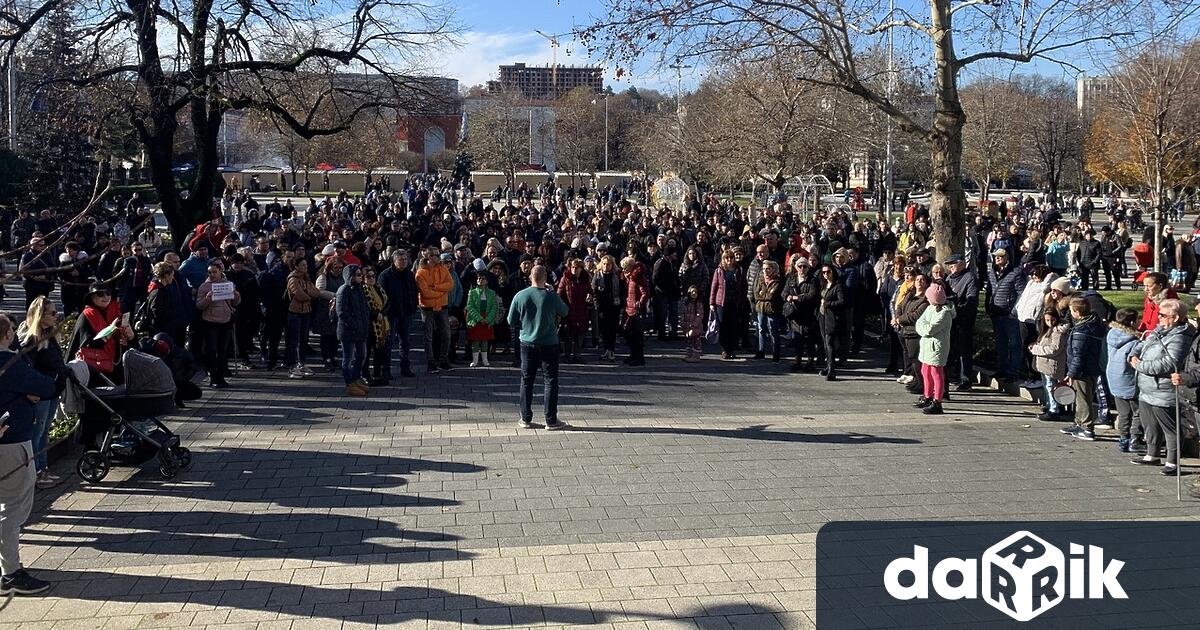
column 304, row 370
column 483, row 360
column 906, row 379
column 474, row 364
column 47, row 479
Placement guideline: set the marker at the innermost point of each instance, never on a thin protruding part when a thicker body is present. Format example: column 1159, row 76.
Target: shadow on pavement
column 312, row 485
column 756, row 432
column 391, row 604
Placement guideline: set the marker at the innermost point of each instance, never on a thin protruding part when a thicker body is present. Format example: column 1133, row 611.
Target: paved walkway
column 686, row 496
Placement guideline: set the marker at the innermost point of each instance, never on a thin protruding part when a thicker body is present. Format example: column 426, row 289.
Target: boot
column 923, row 402
column 475, row 359
column 483, row 360
column 933, row 409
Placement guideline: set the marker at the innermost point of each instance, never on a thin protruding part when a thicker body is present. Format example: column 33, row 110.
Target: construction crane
column 553, row 39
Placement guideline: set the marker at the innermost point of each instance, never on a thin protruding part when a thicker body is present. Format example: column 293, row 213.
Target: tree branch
column 1025, row 57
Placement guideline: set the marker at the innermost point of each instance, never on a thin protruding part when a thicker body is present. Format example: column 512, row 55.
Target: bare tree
column 991, row 135
column 764, row 120
column 838, row 32
column 1156, row 94
column 578, row 132
column 289, row 59
column 1052, row 128
column 498, row 134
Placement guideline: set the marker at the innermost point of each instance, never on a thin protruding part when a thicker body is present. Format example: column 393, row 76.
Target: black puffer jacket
column 1004, row 289
column 803, row 313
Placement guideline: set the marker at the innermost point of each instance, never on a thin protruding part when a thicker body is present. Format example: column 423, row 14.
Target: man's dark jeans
column 399, row 326
column 534, row 356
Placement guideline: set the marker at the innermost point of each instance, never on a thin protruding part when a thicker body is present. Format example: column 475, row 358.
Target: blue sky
column 502, row 31
column 499, row 32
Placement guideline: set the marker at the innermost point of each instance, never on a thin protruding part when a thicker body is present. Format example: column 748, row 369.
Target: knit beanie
column 935, row 294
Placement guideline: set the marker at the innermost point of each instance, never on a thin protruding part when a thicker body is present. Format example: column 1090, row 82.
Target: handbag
column 712, row 333
column 97, row 358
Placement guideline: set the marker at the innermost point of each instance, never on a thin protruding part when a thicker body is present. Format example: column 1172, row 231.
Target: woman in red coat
column 636, row 296
column 101, row 354
column 575, row 288
column 1157, row 290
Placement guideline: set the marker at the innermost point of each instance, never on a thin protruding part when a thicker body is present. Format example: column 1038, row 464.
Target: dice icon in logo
column 1023, row 576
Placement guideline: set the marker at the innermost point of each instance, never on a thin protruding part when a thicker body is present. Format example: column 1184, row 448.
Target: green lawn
column 985, row 338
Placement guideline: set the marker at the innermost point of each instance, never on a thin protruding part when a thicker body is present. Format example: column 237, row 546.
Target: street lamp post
column 889, row 169
column 606, row 132
column 605, row 96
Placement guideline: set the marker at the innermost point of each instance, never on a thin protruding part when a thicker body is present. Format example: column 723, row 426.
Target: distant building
column 430, row 116
column 1091, row 93
column 546, row 82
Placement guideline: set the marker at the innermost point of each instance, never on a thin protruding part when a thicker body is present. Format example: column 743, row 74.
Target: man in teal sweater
column 535, row 311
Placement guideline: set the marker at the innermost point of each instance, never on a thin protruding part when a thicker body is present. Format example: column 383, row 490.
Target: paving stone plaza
column 684, row 496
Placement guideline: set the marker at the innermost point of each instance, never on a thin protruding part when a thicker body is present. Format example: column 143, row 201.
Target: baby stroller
column 120, row 423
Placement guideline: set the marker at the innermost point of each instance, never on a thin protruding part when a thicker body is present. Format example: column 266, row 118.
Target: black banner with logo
column 1063, row 574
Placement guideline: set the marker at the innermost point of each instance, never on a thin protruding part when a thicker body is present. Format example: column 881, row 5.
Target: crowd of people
column 339, row 285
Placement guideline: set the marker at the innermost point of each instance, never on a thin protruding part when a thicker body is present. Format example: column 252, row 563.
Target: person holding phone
column 21, row 387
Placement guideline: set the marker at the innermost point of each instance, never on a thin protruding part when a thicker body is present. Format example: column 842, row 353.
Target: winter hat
column 935, row 294
column 1062, row 285
column 479, row 265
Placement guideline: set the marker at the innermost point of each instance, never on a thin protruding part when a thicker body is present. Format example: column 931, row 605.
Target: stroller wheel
column 184, row 457
column 167, row 471
column 92, row 466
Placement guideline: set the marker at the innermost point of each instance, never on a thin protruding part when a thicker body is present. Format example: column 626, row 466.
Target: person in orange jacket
column 433, row 291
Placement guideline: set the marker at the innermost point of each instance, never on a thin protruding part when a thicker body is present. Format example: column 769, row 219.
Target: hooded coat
column 1050, row 352
column 353, row 313
column 1121, row 377
column 934, row 327
column 1162, row 352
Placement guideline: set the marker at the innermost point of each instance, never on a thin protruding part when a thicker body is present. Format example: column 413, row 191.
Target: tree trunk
column 206, row 129
column 1157, row 210
column 948, row 202
column 160, row 157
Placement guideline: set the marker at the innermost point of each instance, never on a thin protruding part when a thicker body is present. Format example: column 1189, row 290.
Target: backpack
column 142, row 319
column 1094, row 298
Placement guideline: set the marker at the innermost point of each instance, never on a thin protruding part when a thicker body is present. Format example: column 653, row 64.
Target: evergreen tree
column 54, row 133
column 463, row 163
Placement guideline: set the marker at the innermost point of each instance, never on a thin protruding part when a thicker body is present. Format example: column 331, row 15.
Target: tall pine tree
column 54, row 135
